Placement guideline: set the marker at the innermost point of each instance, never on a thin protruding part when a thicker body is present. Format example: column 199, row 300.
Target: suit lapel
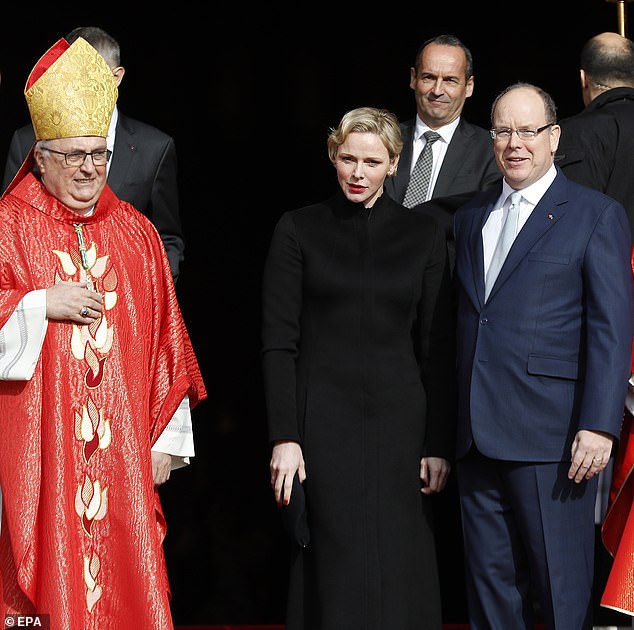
column 476, row 250
column 405, row 162
column 545, row 215
column 469, row 250
column 453, row 162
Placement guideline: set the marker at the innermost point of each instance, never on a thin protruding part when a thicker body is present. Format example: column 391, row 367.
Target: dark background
column 249, row 99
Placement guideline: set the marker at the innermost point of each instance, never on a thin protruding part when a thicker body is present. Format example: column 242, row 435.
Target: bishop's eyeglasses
column 77, row 158
column 504, row 133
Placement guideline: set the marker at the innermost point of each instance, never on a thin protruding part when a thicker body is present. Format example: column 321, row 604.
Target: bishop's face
column 73, row 170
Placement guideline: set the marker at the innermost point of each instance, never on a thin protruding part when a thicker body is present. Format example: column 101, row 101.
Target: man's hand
column 433, row 473
column 590, row 454
column 73, row 301
column 161, row 467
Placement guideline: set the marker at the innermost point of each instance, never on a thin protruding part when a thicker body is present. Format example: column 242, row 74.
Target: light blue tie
column 505, row 240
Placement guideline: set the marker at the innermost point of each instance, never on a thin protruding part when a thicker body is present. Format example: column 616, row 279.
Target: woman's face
column 362, row 164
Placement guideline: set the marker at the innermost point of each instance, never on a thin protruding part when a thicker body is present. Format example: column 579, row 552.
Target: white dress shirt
column 111, row 135
column 438, row 149
column 530, row 198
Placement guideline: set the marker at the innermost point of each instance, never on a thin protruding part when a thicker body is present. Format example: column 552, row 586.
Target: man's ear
column 584, row 79
column 118, row 73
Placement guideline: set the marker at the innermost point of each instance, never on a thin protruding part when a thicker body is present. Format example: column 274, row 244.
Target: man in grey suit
column 143, row 168
column 463, row 163
column 463, row 160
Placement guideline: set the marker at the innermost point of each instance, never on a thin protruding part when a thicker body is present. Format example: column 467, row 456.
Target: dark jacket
column 535, row 364
column 469, row 167
column 597, row 146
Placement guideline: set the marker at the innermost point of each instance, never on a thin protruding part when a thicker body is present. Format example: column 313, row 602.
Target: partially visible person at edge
column 543, row 357
column 618, row 525
column 359, row 377
column 595, row 150
column 463, row 162
column 143, row 168
column 597, row 145
column 97, row 371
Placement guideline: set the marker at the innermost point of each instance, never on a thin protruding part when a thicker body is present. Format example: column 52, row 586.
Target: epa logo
column 27, row 621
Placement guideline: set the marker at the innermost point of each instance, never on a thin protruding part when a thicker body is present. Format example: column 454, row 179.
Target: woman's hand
column 286, row 460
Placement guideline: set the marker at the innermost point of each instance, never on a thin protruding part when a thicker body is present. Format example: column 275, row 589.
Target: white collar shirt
column 439, row 148
column 530, row 198
column 111, row 134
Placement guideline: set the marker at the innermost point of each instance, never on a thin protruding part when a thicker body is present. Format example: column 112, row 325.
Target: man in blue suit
column 543, row 361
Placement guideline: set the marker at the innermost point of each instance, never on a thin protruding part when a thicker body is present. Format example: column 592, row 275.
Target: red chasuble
column 618, row 527
column 82, row 525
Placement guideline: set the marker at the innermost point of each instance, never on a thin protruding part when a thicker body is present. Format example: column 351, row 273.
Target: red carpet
column 229, row 628
column 445, row 627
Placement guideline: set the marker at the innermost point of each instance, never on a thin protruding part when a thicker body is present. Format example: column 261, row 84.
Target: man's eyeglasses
column 77, row 158
column 504, row 133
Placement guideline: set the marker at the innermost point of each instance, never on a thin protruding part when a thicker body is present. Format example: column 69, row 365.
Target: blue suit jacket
column 549, row 353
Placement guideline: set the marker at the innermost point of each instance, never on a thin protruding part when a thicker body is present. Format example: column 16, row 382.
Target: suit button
column 483, row 321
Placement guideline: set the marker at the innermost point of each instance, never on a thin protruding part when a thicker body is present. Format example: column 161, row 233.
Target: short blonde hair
column 367, row 120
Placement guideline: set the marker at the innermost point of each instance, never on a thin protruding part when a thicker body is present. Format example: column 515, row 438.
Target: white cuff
column 177, row 438
column 22, row 336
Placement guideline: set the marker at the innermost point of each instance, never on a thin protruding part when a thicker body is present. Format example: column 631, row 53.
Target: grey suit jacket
column 469, row 165
column 143, row 172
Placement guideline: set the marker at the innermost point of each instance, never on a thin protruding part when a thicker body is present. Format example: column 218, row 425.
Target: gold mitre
column 71, row 92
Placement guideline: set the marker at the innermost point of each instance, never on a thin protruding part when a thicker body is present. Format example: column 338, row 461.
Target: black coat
column 359, row 369
column 596, row 147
